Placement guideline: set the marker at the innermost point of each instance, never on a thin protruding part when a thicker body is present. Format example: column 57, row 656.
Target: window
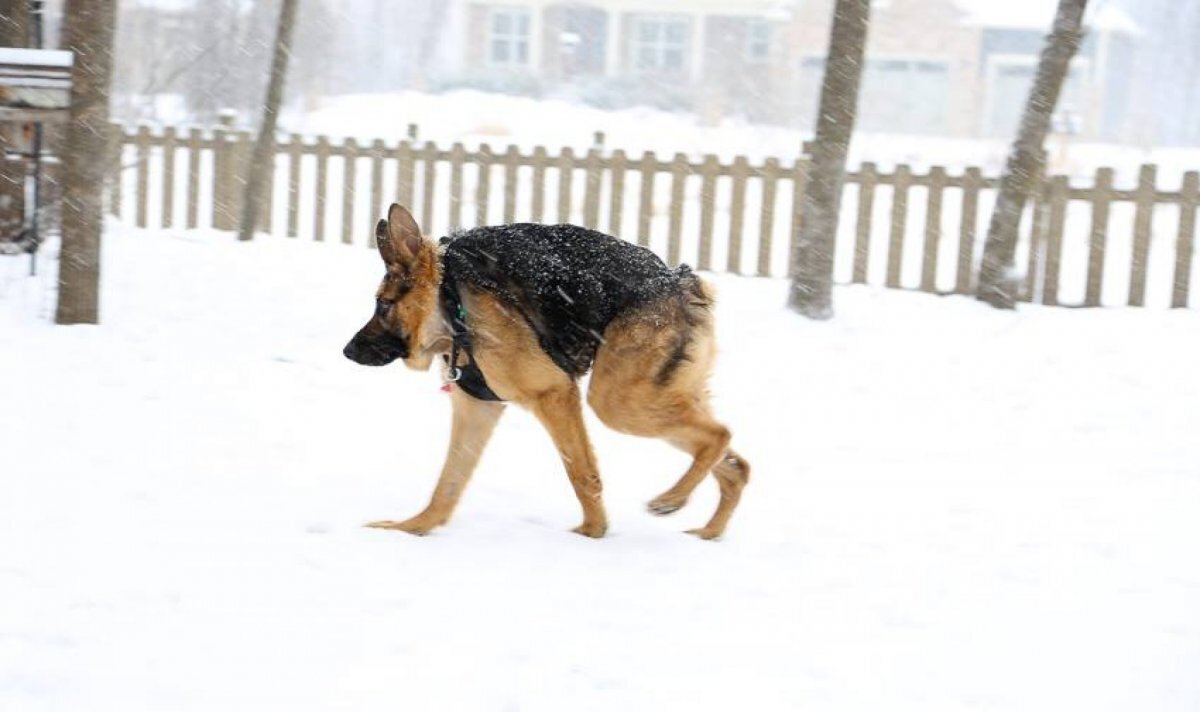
column 758, row 41
column 660, row 44
column 508, row 41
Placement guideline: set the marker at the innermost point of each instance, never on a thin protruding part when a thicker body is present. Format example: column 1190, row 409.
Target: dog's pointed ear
column 386, row 249
column 398, row 237
column 403, row 232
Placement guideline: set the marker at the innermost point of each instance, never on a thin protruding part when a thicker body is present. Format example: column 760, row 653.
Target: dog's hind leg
column 650, row 379
column 473, row 423
column 561, row 412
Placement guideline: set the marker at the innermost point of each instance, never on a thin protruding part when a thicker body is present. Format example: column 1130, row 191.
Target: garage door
column 898, row 95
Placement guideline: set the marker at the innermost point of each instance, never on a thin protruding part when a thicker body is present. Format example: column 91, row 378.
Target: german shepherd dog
column 518, row 313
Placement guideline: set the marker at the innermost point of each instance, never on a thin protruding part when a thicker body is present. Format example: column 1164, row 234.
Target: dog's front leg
column 561, row 412
column 473, row 424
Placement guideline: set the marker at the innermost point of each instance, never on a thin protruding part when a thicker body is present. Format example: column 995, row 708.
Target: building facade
column 945, row 67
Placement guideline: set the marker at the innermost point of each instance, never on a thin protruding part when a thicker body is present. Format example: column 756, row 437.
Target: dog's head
column 406, row 300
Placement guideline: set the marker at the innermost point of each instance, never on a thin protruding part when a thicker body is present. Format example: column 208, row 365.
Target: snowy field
column 951, row 508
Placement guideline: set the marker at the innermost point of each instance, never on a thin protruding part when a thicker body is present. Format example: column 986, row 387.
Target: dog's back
column 567, row 282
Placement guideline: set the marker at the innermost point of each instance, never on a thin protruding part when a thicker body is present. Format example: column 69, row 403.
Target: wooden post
column 116, row 148
column 1142, row 223
column 1059, row 194
column 862, row 228
column 512, row 158
column 322, row 187
column 895, row 261
column 457, row 156
column 1101, row 196
column 737, row 213
column 349, row 188
column 377, row 208
column 964, row 282
column 429, row 184
column 591, row 189
column 646, row 198
column 766, row 227
column 708, row 204
column 193, row 178
column 168, row 185
column 566, row 172
column 143, row 174
column 295, row 157
column 1186, row 240
column 679, row 172
column 405, row 174
column 933, row 229
column 482, row 187
column 616, row 192
column 540, row 160
column 799, row 186
column 1037, row 240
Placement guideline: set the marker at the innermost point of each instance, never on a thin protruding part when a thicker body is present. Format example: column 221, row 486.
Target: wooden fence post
column 143, row 174
column 405, row 175
column 591, row 189
column 1101, row 196
column 766, row 215
column 429, row 182
column 349, row 187
column 376, row 207
column 708, row 203
column 566, row 173
column 679, row 173
column 1186, row 240
column 646, row 198
column 1059, row 194
column 737, row 213
column 862, row 228
column 483, row 186
column 168, row 184
column 895, row 259
column 616, row 192
column 933, row 229
column 799, row 181
column 193, row 186
column 457, row 154
column 116, row 172
column 512, row 158
column 322, row 188
column 964, row 280
column 1142, row 223
column 540, row 160
column 1037, row 240
column 295, row 157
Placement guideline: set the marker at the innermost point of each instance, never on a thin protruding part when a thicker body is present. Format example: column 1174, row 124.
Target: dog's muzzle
column 375, row 350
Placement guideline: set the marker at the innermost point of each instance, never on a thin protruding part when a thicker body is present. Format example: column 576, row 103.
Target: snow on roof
column 1039, row 15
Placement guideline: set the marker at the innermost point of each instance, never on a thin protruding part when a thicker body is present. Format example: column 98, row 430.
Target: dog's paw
column 414, row 526
column 705, row 533
column 592, row 529
column 665, row 504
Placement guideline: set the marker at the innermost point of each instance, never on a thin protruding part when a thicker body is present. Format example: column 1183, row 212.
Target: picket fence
column 732, row 215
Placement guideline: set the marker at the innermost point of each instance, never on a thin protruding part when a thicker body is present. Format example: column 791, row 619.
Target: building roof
column 1039, row 15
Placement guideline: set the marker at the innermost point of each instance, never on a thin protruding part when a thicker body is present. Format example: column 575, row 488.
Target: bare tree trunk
column 263, row 160
column 996, row 283
column 90, row 25
column 812, row 259
column 14, row 32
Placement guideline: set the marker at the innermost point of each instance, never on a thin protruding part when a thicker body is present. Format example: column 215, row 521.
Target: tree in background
column 89, row 34
column 14, row 32
column 263, row 159
column 1025, row 162
column 812, row 258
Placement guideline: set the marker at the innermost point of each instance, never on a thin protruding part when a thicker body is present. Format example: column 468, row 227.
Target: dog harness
column 468, row 377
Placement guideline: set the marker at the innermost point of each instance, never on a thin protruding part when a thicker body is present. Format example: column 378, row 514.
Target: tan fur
column 627, row 390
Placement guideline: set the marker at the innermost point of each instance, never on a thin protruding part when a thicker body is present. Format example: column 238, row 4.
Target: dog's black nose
column 350, row 352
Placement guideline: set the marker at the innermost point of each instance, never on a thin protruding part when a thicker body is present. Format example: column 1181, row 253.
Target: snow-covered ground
column 475, row 117
column 950, row 508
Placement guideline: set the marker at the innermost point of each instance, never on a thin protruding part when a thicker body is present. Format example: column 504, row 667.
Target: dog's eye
column 382, row 307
